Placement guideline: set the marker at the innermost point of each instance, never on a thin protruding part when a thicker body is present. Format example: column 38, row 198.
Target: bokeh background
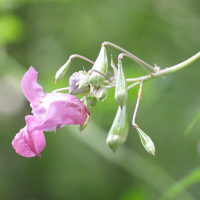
column 43, row 34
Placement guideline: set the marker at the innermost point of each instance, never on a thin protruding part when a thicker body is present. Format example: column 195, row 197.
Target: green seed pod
column 119, row 129
column 61, row 72
column 121, row 86
column 101, row 65
column 146, row 141
column 93, row 101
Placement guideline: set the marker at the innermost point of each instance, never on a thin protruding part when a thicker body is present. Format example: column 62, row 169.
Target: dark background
column 43, row 34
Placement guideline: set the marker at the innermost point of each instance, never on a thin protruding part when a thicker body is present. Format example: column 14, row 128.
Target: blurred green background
column 43, row 34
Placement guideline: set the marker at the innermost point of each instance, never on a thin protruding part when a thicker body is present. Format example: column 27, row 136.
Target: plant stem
column 137, row 105
column 134, row 84
column 166, row 71
column 86, row 59
column 94, row 70
column 123, row 50
column 81, row 57
column 121, row 55
column 60, row 89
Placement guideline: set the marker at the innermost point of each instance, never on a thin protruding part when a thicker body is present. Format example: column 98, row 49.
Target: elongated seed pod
column 119, row 129
column 146, row 141
column 101, row 65
column 121, row 93
column 61, row 72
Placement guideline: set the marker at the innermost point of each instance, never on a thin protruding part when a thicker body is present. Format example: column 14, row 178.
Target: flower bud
column 101, row 65
column 74, row 82
column 84, row 81
column 119, row 129
column 121, row 86
column 93, row 101
column 61, row 72
column 146, row 141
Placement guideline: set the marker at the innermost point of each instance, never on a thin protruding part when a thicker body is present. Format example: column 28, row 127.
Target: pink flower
column 51, row 111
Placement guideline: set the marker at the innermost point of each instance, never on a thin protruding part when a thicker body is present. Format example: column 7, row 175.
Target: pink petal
column 32, row 90
column 63, row 109
column 29, row 144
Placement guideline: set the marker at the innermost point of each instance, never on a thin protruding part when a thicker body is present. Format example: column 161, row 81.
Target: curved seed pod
column 61, row 72
column 119, row 129
column 146, row 141
column 101, row 65
column 121, row 86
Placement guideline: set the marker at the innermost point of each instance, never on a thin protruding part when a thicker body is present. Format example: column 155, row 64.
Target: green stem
column 121, row 55
column 137, row 105
column 127, row 52
column 167, row 70
column 81, row 57
column 60, row 89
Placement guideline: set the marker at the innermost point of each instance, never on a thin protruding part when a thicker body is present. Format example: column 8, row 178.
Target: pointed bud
column 101, row 65
column 74, row 81
column 61, row 72
column 119, row 129
column 146, row 141
column 121, row 86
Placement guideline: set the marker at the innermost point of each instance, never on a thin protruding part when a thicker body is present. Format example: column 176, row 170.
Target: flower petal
column 63, row 109
column 32, row 90
column 29, row 144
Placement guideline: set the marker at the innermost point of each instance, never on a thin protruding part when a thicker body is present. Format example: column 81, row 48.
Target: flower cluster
column 52, row 111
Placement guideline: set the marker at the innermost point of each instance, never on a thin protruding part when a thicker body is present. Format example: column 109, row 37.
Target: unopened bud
column 92, row 101
column 84, row 81
column 74, row 81
column 119, row 129
column 61, row 72
column 121, row 86
column 146, row 141
column 101, row 65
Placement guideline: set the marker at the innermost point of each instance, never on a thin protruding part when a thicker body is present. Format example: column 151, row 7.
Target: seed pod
column 146, row 141
column 121, row 86
column 101, row 65
column 92, row 101
column 119, row 129
column 61, row 72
